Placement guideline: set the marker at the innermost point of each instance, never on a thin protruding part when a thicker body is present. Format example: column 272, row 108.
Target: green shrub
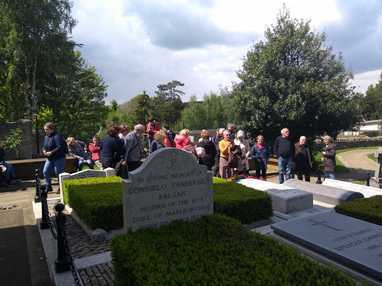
column 368, row 209
column 97, row 201
column 213, row 250
column 240, row 202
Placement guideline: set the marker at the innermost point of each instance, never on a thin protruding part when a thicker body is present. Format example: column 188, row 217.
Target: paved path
column 22, row 259
column 357, row 159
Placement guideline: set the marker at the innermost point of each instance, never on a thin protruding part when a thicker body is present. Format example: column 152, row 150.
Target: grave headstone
column 89, row 173
column 326, row 194
column 349, row 241
column 366, row 191
column 284, row 199
column 170, row 185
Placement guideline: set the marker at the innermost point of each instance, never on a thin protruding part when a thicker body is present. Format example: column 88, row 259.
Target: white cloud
column 138, row 44
column 362, row 80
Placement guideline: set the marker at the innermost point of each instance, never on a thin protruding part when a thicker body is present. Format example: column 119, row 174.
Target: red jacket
column 181, row 141
column 95, row 151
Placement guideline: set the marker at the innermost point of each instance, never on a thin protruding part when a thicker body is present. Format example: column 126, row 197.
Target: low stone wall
column 25, row 169
column 27, row 149
column 343, row 143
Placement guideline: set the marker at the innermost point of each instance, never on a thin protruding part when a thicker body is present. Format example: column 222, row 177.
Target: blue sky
column 138, row 44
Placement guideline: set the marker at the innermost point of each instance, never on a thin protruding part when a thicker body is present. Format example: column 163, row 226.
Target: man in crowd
column 133, row 148
column 284, row 150
column 76, row 149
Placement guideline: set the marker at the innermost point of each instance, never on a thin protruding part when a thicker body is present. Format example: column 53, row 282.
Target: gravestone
column 89, row 173
column 349, row 241
column 170, row 185
column 284, row 199
column 326, row 194
column 366, row 191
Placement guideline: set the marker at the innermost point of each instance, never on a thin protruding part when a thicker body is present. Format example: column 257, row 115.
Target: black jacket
column 209, row 147
column 283, row 147
column 56, row 144
column 302, row 158
column 111, row 151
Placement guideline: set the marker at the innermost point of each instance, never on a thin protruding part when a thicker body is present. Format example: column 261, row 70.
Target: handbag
column 121, row 170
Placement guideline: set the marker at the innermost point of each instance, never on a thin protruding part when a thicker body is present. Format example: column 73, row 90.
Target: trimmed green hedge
column 97, row 201
column 368, row 209
column 213, row 250
column 240, row 202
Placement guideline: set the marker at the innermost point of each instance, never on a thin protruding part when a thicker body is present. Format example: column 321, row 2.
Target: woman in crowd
column 157, row 142
column 182, row 139
column 55, row 150
column 260, row 155
column 208, row 156
column 168, row 138
column 242, row 143
column 329, row 154
column 111, row 148
column 302, row 159
column 225, row 147
column 95, row 150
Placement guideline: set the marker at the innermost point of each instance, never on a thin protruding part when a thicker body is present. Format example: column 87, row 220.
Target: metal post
column 368, row 179
column 62, row 263
column 37, row 197
column 44, row 224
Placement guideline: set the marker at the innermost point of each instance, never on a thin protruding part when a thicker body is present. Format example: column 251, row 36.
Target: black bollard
column 319, row 181
column 37, row 197
column 44, row 224
column 368, row 179
column 62, row 263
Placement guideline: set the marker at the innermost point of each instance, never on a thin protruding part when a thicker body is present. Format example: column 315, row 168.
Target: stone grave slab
column 326, row 194
column 284, row 199
column 348, row 241
column 366, row 191
column 89, row 173
column 170, row 185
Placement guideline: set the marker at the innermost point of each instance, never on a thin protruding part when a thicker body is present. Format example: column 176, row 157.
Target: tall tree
column 40, row 69
column 213, row 112
column 372, row 102
column 292, row 79
column 167, row 103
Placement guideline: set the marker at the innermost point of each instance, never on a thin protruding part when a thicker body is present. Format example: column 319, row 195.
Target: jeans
column 284, row 168
column 84, row 162
column 329, row 175
column 57, row 165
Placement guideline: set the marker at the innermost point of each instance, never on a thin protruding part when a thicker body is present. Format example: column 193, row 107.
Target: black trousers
column 301, row 173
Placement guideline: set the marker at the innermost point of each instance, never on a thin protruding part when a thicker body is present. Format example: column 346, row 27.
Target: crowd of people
column 227, row 152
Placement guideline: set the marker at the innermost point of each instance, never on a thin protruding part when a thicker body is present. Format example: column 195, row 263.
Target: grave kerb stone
column 349, row 241
column 89, row 173
column 366, row 191
column 284, row 199
column 326, row 194
column 170, row 185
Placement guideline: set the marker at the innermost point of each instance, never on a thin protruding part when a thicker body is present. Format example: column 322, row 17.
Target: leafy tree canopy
column 291, row 79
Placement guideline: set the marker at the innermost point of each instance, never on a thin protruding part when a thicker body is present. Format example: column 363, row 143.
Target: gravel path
column 357, row 159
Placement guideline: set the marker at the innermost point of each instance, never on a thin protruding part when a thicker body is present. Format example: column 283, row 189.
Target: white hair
column 139, row 127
